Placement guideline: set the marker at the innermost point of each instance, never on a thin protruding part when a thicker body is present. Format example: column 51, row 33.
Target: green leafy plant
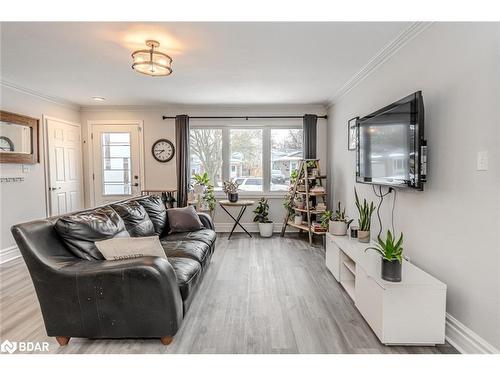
column 312, row 164
column 293, row 177
column 325, row 218
column 201, row 179
column 390, row 249
column 288, row 204
column 365, row 213
column 262, row 212
column 208, row 194
column 341, row 216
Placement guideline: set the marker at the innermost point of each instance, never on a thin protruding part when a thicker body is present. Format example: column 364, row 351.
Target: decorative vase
column 297, row 219
column 391, row 270
column 337, row 228
column 266, row 229
column 233, row 197
column 364, row 236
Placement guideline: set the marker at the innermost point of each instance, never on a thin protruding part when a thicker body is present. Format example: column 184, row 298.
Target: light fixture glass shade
column 151, row 62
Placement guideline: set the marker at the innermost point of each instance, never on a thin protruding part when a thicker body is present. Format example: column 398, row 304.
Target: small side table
column 243, row 204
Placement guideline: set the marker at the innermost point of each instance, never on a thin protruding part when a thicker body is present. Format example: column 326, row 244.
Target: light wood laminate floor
column 258, row 296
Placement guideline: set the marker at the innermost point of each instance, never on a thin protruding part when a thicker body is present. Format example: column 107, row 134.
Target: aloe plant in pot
column 262, row 218
column 339, row 222
column 365, row 218
column 391, row 252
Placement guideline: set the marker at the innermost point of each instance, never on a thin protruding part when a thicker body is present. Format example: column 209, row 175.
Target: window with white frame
column 260, row 158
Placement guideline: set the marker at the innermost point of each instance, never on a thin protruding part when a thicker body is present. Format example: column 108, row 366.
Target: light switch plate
column 482, row 160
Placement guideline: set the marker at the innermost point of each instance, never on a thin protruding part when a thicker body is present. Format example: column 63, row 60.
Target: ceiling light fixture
column 152, row 62
column 98, row 98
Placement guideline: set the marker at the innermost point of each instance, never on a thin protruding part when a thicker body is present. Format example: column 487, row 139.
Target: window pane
column 206, row 154
column 286, row 151
column 116, row 166
column 246, row 158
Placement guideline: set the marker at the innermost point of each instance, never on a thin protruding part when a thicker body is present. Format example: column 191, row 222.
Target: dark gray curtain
column 309, row 127
column 182, row 158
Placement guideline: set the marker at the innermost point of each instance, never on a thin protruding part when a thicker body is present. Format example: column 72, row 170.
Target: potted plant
column 231, row 189
column 204, row 191
column 201, row 180
column 297, row 219
column 391, row 252
column 365, row 218
column 325, row 219
column 262, row 218
column 339, row 223
column 299, row 202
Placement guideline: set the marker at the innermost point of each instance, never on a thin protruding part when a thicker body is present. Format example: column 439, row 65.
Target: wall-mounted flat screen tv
column 391, row 148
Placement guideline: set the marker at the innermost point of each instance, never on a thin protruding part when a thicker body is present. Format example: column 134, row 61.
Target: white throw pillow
column 131, row 247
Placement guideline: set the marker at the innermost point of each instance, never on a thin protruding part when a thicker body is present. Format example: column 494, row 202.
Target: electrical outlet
column 482, row 160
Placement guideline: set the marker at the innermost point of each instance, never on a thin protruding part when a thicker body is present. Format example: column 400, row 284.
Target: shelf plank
column 311, row 193
column 304, row 227
column 350, row 266
column 313, row 178
column 311, row 211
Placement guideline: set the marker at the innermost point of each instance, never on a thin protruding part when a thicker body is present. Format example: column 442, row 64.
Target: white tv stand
column 410, row 312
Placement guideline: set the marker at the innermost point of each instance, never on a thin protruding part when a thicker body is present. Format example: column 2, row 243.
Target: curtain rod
column 241, row 117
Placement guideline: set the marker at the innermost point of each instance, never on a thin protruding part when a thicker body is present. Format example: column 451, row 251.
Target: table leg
column 236, row 220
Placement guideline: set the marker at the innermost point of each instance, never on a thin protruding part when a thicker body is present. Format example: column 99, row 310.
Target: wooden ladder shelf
column 317, row 180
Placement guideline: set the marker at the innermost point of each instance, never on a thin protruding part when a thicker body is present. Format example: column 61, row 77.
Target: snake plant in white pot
column 365, row 218
column 339, row 222
column 391, row 252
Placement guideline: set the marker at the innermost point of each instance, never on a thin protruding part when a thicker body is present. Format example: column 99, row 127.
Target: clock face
column 163, row 150
column 6, row 144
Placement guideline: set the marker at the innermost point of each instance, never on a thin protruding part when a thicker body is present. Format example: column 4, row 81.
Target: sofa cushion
column 196, row 250
column 131, row 247
column 207, row 236
column 156, row 211
column 81, row 230
column 184, row 219
column 187, row 272
column 136, row 218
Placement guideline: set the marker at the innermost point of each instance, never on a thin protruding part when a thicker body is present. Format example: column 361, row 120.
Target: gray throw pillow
column 183, row 219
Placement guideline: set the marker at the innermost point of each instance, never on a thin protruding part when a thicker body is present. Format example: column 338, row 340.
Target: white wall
column 452, row 228
column 163, row 175
column 23, row 201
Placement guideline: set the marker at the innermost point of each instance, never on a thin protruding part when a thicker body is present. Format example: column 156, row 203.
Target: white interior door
column 117, row 161
column 64, row 167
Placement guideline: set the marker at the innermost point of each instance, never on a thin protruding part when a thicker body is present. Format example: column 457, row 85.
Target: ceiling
column 213, row 63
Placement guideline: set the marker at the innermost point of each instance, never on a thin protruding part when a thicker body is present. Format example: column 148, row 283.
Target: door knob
column 136, row 184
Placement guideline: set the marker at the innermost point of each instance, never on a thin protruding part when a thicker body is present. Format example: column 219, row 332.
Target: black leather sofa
column 83, row 295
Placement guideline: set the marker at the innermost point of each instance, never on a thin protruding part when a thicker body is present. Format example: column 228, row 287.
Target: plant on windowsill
column 339, row 223
column 262, row 218
column 365, row 218
column 231, row 189
column 391, row 252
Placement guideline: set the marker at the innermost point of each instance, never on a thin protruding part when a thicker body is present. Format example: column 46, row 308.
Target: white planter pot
column 266, row 229
column 337, row 228
column 297, row 220
column 198, row 189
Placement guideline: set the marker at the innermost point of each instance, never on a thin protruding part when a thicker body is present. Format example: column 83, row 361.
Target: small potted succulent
column 297, row 219
column 339, row 223
column 262, row 218
column 391, row 252
column 365, row 218
column 231, row 189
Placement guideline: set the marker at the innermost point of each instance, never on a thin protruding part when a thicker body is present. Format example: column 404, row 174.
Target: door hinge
column 92, row 136
column 93, row 176
column 139, row 128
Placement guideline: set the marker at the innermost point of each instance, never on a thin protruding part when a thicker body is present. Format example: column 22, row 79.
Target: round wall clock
column 6, row 144
column 163, row 150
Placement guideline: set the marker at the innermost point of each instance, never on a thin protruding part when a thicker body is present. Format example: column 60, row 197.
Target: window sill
column 254, row 195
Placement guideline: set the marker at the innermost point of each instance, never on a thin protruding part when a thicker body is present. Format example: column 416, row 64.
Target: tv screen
column 391, row 144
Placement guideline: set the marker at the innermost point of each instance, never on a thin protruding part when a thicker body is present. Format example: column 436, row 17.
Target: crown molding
column 52, row 99
column 380, row 58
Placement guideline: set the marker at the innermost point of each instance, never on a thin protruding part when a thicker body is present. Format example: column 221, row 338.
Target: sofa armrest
column 206, row 220
column 126, row 298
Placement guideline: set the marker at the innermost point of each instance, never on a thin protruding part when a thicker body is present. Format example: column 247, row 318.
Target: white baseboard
column 8, row 254
column 465, row 340
column 251, row 227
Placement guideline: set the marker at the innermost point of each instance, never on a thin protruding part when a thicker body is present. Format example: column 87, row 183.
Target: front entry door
column 64, row 167
column 117, row 162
